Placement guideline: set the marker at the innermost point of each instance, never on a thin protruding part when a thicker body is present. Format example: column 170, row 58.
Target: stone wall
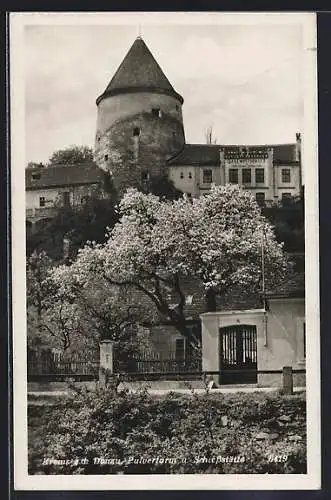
column 132, row 141
column 120, row 107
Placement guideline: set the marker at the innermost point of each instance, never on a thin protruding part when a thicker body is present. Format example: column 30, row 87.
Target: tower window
column 106, row 157
column 190, row 175
column 181, row 175
column 136, row 131
column 233, row 175
column 207, row 176
column 259, row 175
column 156, row 112
column 286, row 175
column 42, row 201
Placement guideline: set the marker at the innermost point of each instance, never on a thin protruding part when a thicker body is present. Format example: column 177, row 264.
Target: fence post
column 106, row 361
column 287, row 380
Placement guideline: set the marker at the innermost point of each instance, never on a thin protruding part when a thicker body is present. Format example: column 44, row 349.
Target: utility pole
column 265, row 319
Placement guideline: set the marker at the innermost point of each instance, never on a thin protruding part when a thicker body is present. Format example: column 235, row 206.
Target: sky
column 243, row 80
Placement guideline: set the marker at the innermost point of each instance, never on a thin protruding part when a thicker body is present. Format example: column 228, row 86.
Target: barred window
column 247, row 176
column 259, row 175
column 42, row 201
column 286, row 175
column 233, row 175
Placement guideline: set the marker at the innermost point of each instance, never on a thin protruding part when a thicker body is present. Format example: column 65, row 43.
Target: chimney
column 298, row 147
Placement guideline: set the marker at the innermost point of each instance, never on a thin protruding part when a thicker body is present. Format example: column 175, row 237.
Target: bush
column 105, row 432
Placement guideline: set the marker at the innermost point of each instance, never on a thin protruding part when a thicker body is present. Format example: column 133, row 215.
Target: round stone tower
column 140, row 123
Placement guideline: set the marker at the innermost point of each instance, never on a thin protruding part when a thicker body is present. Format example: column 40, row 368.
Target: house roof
column 209, row 154
column 138, row 72
column 62, row 175
column 284, row 152
column 197, row 154
column 281, row 152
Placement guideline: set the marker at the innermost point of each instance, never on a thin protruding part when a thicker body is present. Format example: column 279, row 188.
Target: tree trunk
column 210, row 300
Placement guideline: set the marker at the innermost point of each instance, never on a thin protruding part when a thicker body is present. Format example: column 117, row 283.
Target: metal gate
column 238, row 354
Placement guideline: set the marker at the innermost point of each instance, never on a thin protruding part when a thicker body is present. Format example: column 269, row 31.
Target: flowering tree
column 217, row 239
column 74, row 318
column 51, row 321
column 37, row 268
column 102, row 310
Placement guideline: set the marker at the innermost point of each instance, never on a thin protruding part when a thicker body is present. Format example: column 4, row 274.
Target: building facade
column 48, row 188
column 241, row 345
column 272, row 173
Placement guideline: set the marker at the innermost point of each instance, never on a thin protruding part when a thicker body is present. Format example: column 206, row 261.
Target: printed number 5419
column 277, row 458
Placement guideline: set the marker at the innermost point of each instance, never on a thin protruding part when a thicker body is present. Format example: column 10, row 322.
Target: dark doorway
column 238, row 354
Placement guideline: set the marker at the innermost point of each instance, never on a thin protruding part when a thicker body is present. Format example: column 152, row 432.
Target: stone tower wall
column 130, row 157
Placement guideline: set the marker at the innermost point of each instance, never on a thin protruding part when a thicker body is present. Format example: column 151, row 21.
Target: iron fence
column 156, row 363
column 45, row 364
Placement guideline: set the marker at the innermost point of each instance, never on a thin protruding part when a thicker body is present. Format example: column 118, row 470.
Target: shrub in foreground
column 103, row 432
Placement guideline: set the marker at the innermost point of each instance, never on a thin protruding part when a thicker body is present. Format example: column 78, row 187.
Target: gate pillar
column 106, row 367
column 210, row 345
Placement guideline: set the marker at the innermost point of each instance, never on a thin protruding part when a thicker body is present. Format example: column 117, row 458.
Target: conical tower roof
column 139, row 72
